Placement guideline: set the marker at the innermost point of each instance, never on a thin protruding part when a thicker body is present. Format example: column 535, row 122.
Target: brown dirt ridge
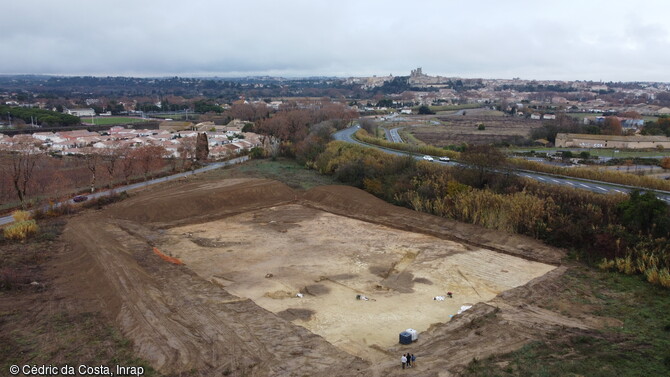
column 189, row 319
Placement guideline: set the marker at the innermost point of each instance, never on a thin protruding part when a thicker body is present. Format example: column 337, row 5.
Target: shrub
column 21, row 216
column 20, row 230
column 256, row 152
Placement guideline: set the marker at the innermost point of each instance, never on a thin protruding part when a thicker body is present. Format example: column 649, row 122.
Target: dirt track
column 184, row 318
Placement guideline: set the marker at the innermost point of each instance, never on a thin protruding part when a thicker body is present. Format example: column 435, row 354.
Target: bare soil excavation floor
column 273, row 254
column 250, row 245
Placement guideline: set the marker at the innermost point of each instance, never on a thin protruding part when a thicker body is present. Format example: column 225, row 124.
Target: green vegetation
column 660, row 127
column 640, row 347
column 284, row 170
column 204, row 106
column 425, row 110
column 42, row 117
column 113, row 120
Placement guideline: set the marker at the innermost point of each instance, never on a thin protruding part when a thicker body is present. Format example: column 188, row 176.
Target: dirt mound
column 180, row 322
column 197, row 202
column 356, row 203
column 508, row 322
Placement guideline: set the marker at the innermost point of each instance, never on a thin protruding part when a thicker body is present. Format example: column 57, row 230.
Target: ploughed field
column 456, row 130
column 251, row 247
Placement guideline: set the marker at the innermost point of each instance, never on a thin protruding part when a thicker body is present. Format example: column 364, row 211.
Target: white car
column 427, row 158
column 444, row 159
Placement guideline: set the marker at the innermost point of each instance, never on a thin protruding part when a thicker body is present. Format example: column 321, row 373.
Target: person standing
column 403, row 360
column 413, row 358
column 409, row 360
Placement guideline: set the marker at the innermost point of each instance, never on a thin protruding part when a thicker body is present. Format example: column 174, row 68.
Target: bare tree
column 149, row 158
column 92, row 159
column 128, row 163
column 23, row 161
column 484, row 160
column 111, row 157
column 187, row 151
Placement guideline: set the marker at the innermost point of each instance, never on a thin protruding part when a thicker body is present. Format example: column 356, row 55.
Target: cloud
column 610, row 40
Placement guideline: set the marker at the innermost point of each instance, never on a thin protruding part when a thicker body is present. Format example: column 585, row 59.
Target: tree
column 248, row 127
column 92, row 159
column 645, row 213
column 111, row 157
column 612, row 126
column 23, row 162
column 368, row 125
column 425, row 110
column 201, row 147
column 665, row 163
column 128, row 162
column 482, row 159
column 386, row 102
column 186, row 151
column 149, row 158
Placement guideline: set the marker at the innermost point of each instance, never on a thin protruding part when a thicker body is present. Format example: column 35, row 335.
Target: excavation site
column 252, row 277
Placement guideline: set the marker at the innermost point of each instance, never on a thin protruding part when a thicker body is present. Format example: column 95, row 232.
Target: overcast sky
column 570, row 40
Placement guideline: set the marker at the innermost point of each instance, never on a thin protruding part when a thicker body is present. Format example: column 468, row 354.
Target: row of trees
column 660, row 127
column 22, row 115
column 29, row 174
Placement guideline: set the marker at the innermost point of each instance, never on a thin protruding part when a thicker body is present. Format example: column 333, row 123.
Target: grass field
column 639, row 347
column 189, row 116
column 113, row 120
column 284, row 170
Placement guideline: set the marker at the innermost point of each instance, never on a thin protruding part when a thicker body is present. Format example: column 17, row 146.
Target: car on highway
column 444, row 159
column 427, row 158
column 80, row 198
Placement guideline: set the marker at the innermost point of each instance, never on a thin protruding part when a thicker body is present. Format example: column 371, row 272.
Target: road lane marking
column 583, row 185
column 600, row 188
column 540, row 178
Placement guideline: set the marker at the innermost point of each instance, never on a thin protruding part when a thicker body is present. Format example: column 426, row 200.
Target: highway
column 8, row 219
column 585, row 184
column 395, row 137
